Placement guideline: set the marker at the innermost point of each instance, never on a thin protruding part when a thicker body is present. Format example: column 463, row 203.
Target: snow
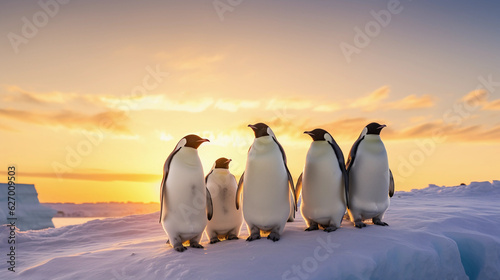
column 29, row 212
column 434, row 233
column 102, row 209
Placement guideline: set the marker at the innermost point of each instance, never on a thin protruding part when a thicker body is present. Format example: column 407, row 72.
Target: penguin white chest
column 323, row 192
column 222, row 187
column 186, row 195
column 369, row 176
column 266, row 192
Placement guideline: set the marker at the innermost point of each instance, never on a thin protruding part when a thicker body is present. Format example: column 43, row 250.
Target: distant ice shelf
column 29, row 213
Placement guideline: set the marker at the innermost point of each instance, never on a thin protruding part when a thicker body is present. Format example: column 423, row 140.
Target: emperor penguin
column 323, row 184
column 226, row 220
column 370, row 179
column 266, row 186
column 186, row 204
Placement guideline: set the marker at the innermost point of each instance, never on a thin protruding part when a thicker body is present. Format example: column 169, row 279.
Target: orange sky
column 93, row 101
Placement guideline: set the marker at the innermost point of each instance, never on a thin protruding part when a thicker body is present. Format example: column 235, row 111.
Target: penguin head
column 261, row 129
column 222, row 163
column 374, row 128
column 319, row 134
column 193, row 141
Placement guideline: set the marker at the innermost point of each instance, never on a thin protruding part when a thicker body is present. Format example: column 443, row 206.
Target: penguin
column 186, row 204
column 371, row 183
column 226, row 220
column 266, row 186
column 323, row 183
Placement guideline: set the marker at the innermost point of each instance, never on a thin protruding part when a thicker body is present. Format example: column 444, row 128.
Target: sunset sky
column 94, row 95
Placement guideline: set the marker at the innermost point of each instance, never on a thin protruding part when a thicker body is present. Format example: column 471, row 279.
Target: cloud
column 372, row 101
column 412, row 102
column 233, row 105
column 493, row 105
column 199, row 62
column 112, row 121
column 480, row 97
column 166, row 136
column 330, row 107
column 158, row 102
column 7, row 128
column 349, row 129
column 189, row 59
column 296, row 103
column 39, row 98
column 450, row 132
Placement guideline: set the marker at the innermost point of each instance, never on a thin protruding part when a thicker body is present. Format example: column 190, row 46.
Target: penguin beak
column 382, row 126
column 308, row 132
column 252, row 126
column 228, row 161
column 203, row 140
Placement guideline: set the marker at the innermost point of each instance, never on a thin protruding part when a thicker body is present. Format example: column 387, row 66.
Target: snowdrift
column 434, row 233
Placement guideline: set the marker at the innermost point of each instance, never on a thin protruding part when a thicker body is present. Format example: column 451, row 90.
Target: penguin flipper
column 239, row 190
column 209, row 173
column 352, row 153
column 163, row 186
column 163, row 193
column 298, row 188
column 292, row 188
column 210, row 206
column 290, row 179
column 343, row 169
column 391, row 184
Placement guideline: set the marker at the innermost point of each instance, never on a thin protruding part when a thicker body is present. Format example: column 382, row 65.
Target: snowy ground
column 111, row 209
column 435, row 233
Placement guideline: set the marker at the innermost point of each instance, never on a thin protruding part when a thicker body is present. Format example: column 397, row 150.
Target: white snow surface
column 102, row 209
column 28, row 211
column 434, row 233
